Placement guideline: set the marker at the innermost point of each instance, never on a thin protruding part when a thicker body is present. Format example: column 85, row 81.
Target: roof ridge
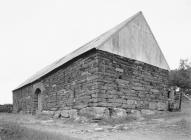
column 121, row 26
column 97, row 38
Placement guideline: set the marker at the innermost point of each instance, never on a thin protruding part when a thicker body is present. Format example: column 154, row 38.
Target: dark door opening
column 37, row 101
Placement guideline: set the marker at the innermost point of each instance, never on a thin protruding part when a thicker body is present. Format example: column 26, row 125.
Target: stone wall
column 6, row 108
column 97, row 79
column 23, row 100
column 72, row 85
column 130, row 84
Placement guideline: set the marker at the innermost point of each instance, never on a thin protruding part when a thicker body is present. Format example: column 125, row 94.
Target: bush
column 181, row 77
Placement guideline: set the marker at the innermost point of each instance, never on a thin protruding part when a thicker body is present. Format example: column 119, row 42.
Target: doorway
column 38, row 101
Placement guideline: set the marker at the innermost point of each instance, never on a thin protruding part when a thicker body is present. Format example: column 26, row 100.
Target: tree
column 181, row 77
column 184, row 64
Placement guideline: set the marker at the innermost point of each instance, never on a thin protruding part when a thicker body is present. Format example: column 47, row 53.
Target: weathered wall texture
column 97, row 78
column 73, row 85
column 23, row 100
column 130, row 84
column 6, row 108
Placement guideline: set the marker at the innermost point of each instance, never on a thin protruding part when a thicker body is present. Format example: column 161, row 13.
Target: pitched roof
column 103, row 42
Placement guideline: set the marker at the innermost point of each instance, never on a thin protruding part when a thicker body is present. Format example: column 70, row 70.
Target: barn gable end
column 136, row 41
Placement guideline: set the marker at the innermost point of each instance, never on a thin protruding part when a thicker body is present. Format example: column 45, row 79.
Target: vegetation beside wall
column 181, row 77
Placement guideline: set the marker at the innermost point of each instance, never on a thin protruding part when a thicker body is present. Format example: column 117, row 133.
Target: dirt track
column 165, row 126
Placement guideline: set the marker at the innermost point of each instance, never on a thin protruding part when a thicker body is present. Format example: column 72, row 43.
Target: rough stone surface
column 96, row 79
column 153, row 105
column 57, row 115
column 73, row 85
column 49, row 113
column 98, row 129
column 125, row 83
column 6, row 108
column 118, row 113
column 136, row 114
column 65, row 114
column 162, row 106
column 81, row 119
column 95, row 112
column 73, row 113
column 147, row 112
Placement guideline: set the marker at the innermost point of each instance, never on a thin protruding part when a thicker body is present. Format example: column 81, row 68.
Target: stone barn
column 122, row 68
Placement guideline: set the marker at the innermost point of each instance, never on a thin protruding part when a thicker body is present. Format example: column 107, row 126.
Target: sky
column 35, row 33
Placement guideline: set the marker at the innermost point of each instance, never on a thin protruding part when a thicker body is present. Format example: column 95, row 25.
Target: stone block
column 162, row 106
column 154, row 90
column 119, row 70
column 138, row 88
column 116, row 104
column 118, row 113
column 65, row 113
column 46, row 112
column 73, row 113
column 95, row 112
column 152, row 105
column 122, row 82
column 80, row 106
column 147, row 112
column 136, row 114
column 131, row 102
column 57, row 115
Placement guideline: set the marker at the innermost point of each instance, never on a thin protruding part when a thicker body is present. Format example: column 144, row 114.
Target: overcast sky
column 34, row 33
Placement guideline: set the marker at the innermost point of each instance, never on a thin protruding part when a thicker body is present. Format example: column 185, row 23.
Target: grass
column 12, row 131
